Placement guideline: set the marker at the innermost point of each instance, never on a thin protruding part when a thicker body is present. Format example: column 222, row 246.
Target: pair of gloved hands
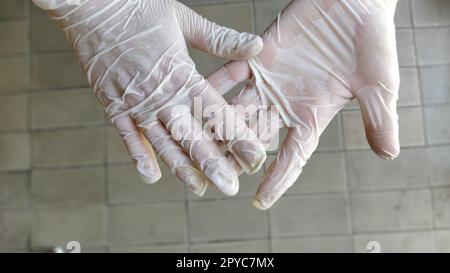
column 316, row 57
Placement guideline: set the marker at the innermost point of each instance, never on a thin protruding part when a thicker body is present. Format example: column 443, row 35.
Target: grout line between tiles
column 347, row 184
column 268, row 214
column 422, row 112
column 106, row 201
column 187, row 222
column 29, row 118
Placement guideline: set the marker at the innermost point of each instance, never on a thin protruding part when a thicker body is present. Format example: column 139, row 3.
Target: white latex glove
column 318, row 55
column 135, row 55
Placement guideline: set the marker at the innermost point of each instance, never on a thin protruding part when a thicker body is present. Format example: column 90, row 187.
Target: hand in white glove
column 318, row 56
column 135, row 55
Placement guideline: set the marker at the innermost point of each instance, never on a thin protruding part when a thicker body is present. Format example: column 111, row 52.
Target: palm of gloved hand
column 135, row 55
column 317, row 57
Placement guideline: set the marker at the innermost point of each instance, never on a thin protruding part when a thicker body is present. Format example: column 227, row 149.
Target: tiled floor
column 64, row 175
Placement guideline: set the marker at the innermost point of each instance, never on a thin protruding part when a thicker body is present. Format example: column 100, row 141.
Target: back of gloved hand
column 135, row 55
column 317, row 56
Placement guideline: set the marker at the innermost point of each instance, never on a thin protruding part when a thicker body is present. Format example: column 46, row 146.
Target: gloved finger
column 224, row 80
column 377, row 86
column 215, row 39
column 234, row 163
column 229, row 76
column 263, row 120
column 285, row 169
column 173, row 155
column 228, row 125
column 185, row 129
column 379, row 110
column 267, row 125
column 139, row 149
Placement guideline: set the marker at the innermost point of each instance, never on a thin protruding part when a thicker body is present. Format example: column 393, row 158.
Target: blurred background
column 64, row 175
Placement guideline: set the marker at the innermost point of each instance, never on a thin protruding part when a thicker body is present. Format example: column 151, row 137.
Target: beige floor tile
column 411, row 242
column 435, row 52
column 366, row 171
column 430, row 13
column 12, row 8
column 403, row 15
column 74, row 108
column 55, row 39
column 442, row 241
column 68, row 147
column 310, row 215
column 439, row 161
column 15, row 226
column 325, row 244
column 405, row 47
column 441, row 200
column 73, row 186
column 324, row 172
column 409, row 93
column 14, row 71
column 14, row 37
column 14, row 190
column 141, row 224
column 126, row 186
column 226, row 219
column 232, row 247
column 435, row 84
column 57, row 226
column 178, row 248
column 390, row 211
column 15, row 151
column 56, row 71
column 16, row 111
column 437, row 120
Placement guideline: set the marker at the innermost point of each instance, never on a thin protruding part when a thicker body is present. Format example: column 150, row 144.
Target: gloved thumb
column 379, row 110
column 214, row 39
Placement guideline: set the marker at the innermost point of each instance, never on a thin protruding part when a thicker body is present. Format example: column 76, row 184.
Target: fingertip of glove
column 385, row 145
column 254, row 166
column 195, row 181
column 148, row 170
column 231, row 189
column 250, row 156
column 257, row 164
column 150, row 179
column 255, row 45
column 388, row 155
column 222, row 175
column 228, row 183
column 260, row 205
column 248, row 46
column 200, row 192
